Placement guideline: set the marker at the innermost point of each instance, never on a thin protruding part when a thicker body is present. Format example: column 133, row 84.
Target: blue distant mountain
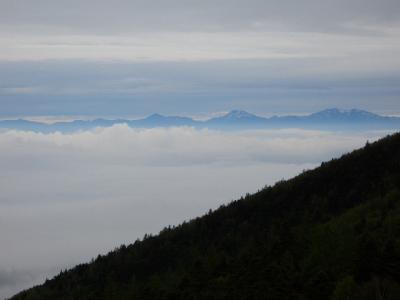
column 157, row 120
column 237, row 119
column 353, row 115
column 329, row 119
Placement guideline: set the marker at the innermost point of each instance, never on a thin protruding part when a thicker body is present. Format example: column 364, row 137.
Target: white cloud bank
column 67, row 197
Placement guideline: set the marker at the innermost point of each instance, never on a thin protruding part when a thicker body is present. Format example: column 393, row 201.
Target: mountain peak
column 331, row 112
column 343, row 113
column 239, row 114
column 361, row 112
column 155, row 116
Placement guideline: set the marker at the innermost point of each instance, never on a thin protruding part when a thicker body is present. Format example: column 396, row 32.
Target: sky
column 133, row 58
column 67, row 197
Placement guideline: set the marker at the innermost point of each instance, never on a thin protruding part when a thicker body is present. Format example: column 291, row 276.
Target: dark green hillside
column 329, row 233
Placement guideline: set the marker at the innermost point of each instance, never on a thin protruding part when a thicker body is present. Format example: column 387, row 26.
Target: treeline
column 330, row 233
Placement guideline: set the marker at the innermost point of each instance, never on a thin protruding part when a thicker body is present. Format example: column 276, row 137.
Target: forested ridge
column 329, row 233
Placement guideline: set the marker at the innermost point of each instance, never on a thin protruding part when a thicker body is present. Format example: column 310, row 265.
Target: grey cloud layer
column 180, row 15
column 112, row 57
column 105, row 187
column 178, row 146
column 137, row 89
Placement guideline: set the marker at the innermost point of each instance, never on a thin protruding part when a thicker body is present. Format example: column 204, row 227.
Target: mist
column 68, row 197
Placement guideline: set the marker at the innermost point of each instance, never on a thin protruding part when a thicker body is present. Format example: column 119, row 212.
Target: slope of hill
column 331, row 119
column 329, row 233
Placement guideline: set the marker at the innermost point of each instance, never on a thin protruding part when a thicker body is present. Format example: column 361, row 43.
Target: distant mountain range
column 329, row 119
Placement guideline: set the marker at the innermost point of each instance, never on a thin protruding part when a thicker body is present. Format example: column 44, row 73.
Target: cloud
column 198, row 31
column 199, row 45
column 179, row 146
column 67, row 197
column 116, row 89
column 179, row 15
column 91, row 57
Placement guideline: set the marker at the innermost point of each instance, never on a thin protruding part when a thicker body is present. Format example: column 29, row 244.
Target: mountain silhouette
column 330, row 119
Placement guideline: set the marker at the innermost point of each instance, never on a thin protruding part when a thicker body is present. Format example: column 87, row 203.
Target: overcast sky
column 132, row 58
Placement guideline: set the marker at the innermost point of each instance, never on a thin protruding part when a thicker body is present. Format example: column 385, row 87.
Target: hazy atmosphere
column 66, row 197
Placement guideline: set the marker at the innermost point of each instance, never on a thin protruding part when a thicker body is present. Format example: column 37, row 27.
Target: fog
column 68, row 197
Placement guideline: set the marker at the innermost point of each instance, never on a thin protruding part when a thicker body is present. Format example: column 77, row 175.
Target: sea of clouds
column 67, row 197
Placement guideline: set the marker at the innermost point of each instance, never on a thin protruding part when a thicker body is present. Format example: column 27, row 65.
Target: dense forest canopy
column 329, row 233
